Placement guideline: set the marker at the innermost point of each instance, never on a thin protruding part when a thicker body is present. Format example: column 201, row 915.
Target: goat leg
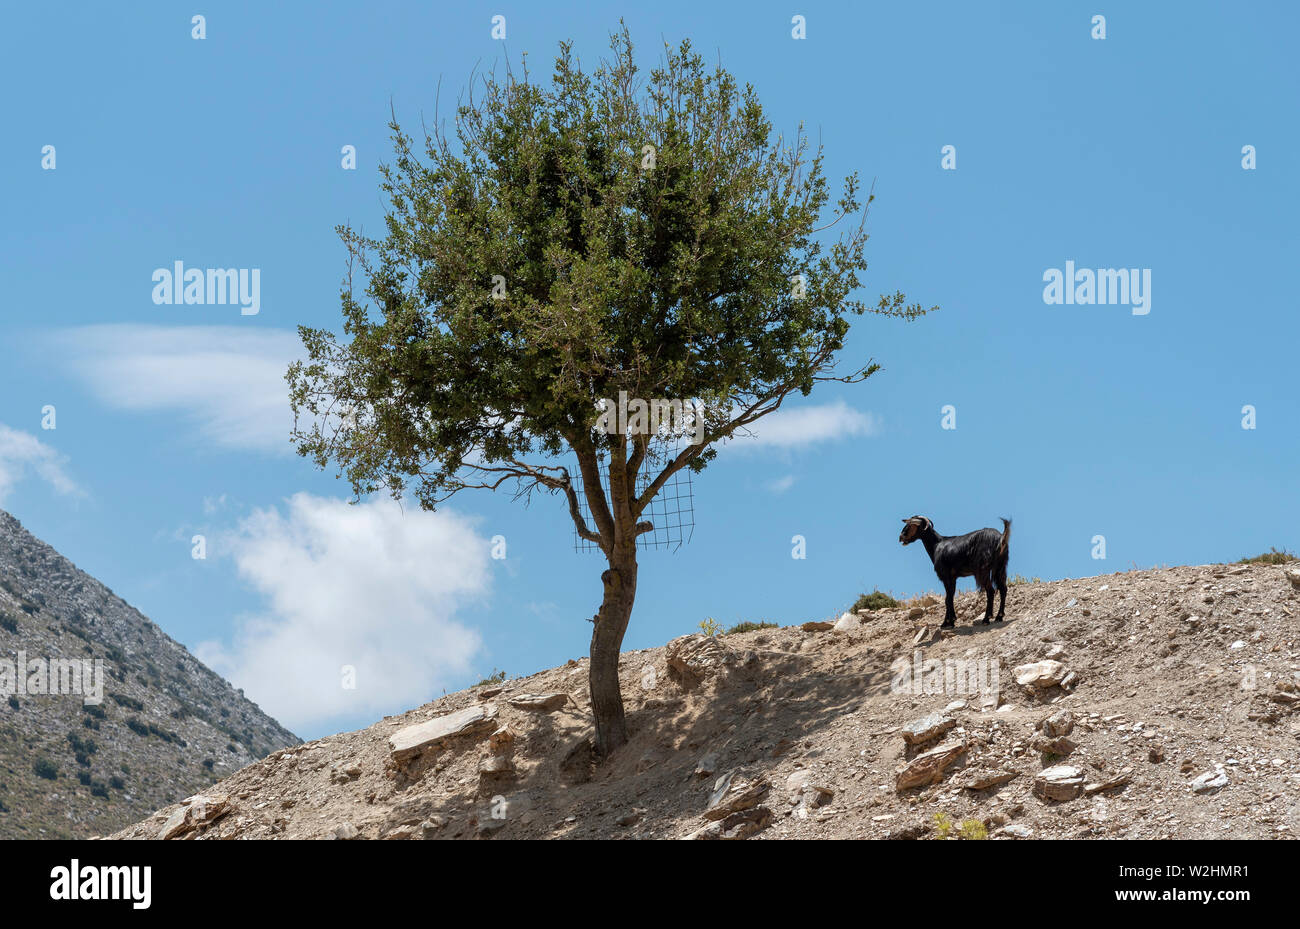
column 950, row 614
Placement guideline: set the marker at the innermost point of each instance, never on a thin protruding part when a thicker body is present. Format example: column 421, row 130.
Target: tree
column 561, row 244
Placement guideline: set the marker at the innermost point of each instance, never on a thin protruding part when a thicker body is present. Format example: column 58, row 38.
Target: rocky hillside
column 1149, row 704
column 166, row 726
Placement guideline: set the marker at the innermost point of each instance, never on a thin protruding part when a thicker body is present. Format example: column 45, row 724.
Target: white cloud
column 21, row 453
column 807, row 425
column 366, row 585
column 227, row 380
column 213, row 504
column 781, row 484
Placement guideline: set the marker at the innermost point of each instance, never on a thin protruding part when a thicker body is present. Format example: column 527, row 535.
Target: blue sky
column 1075, row 420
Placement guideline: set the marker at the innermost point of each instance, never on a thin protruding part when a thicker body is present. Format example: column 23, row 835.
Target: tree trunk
column 606, row 644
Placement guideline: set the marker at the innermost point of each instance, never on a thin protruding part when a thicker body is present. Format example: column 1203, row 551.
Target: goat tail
column 1006, row 538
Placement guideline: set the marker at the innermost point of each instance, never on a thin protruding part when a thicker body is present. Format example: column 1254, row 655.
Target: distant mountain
column 166, row 725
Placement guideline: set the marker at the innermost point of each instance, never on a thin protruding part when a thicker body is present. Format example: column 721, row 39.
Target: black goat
column 982, row 554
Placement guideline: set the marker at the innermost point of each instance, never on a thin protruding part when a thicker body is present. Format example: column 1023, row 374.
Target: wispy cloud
column 808, row 425
column 781, row 484
column 368, row 586
column 228, row 381
column 21, row 454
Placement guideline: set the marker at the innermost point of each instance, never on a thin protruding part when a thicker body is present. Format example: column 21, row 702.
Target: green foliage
column 875, row 601
column 1272, row 556
column 13, row 702
column 44, row 767
column 142, row 728
column 8, row 623
column 496, row 677
column 1021, row 579
column 663, row 271
column 710, row 627
column 82, row 746
column 750, row 627
column 131, row 703
column 972, row 829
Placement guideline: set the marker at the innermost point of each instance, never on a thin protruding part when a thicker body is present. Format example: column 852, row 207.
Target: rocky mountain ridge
column 165, row 726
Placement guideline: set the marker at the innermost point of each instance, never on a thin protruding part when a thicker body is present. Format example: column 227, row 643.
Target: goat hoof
column 986, row 620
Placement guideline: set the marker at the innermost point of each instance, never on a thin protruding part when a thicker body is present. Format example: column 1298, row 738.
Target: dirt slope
column 1181, row 722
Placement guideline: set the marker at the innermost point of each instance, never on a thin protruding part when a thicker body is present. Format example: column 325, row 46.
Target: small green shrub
column 710, row 627
column 44, row 767
column 971, row 829
column 496, row 677
column 1272, row 556
column 749, row 627
column 8, row 623
column 875, row 601
column 82, row 746
column 13, row 702
column 131, row 703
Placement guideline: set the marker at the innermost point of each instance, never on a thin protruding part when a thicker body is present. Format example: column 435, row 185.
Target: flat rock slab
column 984, row 778
column 540, row 703
column 405, row 744
column 928, row 768
column 738, row 825
column 926, row 728
column 1059, row 782
column 817, row 626
column 195, row 812
column 728, row 797
column 1211, row 781
column 1061, row 746
column 1042, row 674
column 1119, row 780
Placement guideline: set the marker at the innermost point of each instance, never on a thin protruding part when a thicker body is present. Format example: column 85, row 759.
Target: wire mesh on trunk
column 672, row 510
